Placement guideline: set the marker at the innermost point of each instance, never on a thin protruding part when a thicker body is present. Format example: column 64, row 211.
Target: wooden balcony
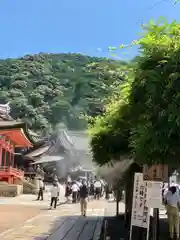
column 10, row 171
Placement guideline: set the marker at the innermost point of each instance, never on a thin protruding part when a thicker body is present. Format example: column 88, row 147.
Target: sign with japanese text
column 140, row 210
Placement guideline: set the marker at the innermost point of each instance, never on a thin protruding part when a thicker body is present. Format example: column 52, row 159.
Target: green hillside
column 47, row 89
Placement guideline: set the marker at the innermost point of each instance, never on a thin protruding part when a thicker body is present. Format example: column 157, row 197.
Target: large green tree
column 147, row 124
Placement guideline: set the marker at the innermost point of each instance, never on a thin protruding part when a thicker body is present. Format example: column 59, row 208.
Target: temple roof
column 62, row 140
column 11, row 124
column 17, row 136
column 16, row 131
column 36, row 153
column 56, row 145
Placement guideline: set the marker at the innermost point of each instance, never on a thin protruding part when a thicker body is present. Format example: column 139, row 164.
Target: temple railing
column 11, row 171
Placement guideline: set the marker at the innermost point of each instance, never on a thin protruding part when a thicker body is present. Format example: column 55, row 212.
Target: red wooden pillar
column 0, row 155
column 5, row 157
column 12, row 159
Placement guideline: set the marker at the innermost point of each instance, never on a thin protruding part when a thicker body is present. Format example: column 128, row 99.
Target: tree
column 59, row 87
column 155, row 96
column 110, row 132
column 147, row 124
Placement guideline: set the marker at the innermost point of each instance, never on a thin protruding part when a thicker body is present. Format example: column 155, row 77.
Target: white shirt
column 172, row 199
column 74, row 187
column 59, row 185
column 54, row 191
column 41, row 184
column 166, row 190
column 79, row 184
column 97, row 184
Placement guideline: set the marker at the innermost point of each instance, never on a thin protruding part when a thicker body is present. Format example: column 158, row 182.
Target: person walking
column 59, row 187
column 107, row 191
column 172, row 205
column 67, row 191
column 98, row 188
column 79, row 184
column 75, row 190
column 41, row 190
column 91, row 188
column 54, row 195
column 83, row 198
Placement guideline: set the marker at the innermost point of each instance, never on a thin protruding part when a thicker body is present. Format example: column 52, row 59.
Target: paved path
column 14, row 215
column 47, row 223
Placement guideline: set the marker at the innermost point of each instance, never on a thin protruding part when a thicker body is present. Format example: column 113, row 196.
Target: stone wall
column 10, row 190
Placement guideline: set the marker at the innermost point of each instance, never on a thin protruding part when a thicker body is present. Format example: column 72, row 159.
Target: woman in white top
column 54, row 195
column 173, row 203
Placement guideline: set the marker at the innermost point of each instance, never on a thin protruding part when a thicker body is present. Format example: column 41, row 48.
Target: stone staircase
column 29, row 186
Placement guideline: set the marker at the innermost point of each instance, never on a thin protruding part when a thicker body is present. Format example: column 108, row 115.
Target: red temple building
column 13, row 134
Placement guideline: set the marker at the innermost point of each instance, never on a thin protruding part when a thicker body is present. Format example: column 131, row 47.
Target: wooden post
column 155, row 225
column 5, row 157
column 0, row 155
column 117, row 202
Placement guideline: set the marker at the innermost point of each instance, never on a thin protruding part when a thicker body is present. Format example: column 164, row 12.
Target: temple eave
column 17, row 136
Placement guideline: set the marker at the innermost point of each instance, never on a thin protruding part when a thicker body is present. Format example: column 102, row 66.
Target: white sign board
column 140, row 211
column 173, row 179
column 154, row 194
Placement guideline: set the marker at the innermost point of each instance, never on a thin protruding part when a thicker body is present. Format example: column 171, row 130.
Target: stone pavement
column 30, row 199
column 44, row 224
column 14, row 215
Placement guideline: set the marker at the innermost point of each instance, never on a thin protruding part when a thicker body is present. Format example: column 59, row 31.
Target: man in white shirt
column 54, row 195
column 98, row 188
column 75, row 190
column 173, row 202
column 41, row 189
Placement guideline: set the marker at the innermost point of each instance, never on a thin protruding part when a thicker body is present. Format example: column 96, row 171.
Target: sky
column 82, row 26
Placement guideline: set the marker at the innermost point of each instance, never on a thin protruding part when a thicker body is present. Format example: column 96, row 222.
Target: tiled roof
column 37, row 152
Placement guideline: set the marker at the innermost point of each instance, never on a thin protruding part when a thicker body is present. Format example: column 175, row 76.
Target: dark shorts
column 98, row 190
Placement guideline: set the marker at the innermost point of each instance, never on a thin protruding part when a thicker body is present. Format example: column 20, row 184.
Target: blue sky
column 33, row 26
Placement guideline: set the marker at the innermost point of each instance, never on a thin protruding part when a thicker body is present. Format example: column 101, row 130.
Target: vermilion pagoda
column 13, row 134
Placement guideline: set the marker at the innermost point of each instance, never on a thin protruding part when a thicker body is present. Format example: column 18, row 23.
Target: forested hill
column 46, row 89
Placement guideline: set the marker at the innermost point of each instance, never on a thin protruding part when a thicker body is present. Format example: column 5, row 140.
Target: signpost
column 140, row 211
column 146, row 195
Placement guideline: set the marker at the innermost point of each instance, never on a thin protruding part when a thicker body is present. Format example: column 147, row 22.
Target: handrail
column 4, row 168
column 12, row 170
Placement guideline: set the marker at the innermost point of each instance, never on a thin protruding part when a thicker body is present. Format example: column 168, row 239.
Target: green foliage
column 147, row 124
column 110, row 132
column 155, row 96
column 48, row 89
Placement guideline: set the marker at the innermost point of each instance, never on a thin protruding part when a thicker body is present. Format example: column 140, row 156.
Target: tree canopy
column 147, row 124
column 47, row 89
